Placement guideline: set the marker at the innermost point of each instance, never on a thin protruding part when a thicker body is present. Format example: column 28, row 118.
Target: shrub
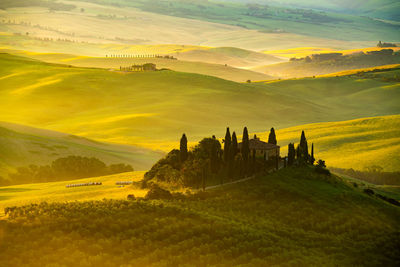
column 369, row 191
column 131, row 197
column 156, row 192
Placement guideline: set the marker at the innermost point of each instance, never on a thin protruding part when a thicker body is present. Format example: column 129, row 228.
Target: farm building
column 271, row 151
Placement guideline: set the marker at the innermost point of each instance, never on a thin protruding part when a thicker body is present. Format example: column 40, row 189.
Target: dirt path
column 233, row 182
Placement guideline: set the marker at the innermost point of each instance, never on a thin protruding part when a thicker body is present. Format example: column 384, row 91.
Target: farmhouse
column 271, row 151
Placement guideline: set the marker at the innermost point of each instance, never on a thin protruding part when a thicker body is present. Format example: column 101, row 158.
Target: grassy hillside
column 154, row 108
column 384, row 9
column 21, row 146
column 270, row 18
column 228, row 55
column 300, row 52
column 353, row 144
column 303, row 68
column 128, row 25
column 19, row 195
column 218, row 70
column 292, row 217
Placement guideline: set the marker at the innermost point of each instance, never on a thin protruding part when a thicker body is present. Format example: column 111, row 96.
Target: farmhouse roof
column 257, row 144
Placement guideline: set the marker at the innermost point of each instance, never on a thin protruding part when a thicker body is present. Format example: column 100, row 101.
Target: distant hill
column 228, row 55
column 153, row 109
column 384, row 9
column 356, row 144
column 22, row 146
column 219, row 70
column 320, row 64
column 124, row 23
column 292, row 217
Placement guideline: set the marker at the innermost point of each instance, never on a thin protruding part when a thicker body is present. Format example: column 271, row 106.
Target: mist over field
column 199, row 133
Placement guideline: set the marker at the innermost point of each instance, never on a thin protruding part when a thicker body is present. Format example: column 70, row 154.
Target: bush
column 369, row 191
column 131, row 197
column 156, row 192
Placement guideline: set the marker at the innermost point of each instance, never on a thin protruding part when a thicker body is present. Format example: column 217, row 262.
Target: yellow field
column 353, row 144
column 300, row 52
column 18, row 195
column 218, row 70
column 112, row 24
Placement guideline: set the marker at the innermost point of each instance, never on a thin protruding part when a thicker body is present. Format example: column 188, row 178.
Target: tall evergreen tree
column 245, row 145
column 303, row 148
column 298, row 153
column 291, row 154
column 183, row 151
column 234, row 146
column 272, row 137
column 312, row 159
column 227, row 145
column 245, row 151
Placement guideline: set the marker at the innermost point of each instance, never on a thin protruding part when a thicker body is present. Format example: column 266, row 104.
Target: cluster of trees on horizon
column 61, row 169
column 211, row 162
column 380, row 55
column 219, row 163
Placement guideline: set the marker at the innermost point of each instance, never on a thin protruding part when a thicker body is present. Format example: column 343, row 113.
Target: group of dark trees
column 300, row 155
column 380, row 44
column 209, row 160
column 389, row 56
column 71, row 167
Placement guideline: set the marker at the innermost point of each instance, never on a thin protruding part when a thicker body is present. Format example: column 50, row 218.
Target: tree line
column 61, row 169
column 210, row 162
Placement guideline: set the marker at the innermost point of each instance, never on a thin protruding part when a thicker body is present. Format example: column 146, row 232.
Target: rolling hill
column 22, row 146
column 25, row 194
column 353, row 59
column 384, row 9
column 153, row 109
column 291, row 217
column 231, row 26
column 218, row 70
column 353, row 144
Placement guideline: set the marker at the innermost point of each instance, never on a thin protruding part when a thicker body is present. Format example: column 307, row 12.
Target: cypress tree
column 303, row 148
column 234, row 146
column 272, row 137
column 227, row 145
column 291, row 154
column 312, row 159
column 245, row 150
column 298, row 152
column 183, row 152
column 245, row 145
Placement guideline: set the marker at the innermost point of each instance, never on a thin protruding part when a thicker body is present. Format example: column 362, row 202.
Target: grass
column 304, row 22
column 22, row 146
column 353, row 144
column 153, row 109
column 219, row 70
column 19, row 195
column 300, row 52
column 298, row 69
column 122, row 26
column 291, row 217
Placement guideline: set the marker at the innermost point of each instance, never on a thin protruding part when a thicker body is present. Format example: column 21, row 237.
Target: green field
column 291, row 218
column 299, row 69
column 18, row 195
column 218, row 70
column 128, row 26
column 22, row 146
column 270, row 18
column 153, row 109
column 355, row 144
